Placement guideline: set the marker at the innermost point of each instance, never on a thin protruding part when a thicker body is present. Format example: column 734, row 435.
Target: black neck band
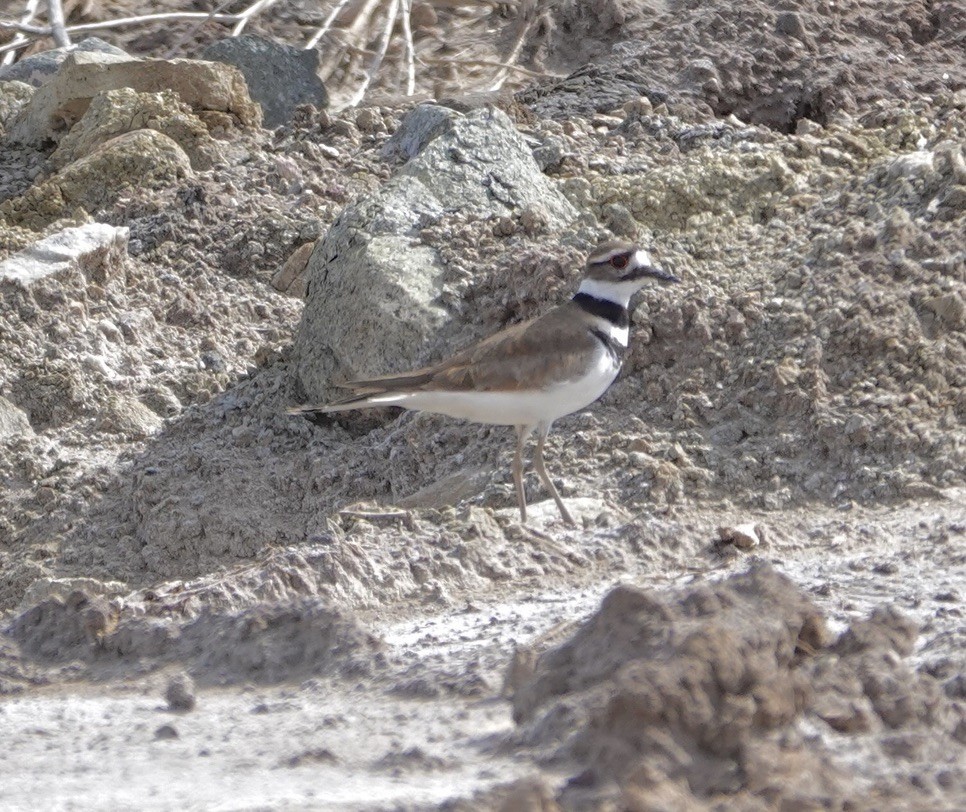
column 615, row 313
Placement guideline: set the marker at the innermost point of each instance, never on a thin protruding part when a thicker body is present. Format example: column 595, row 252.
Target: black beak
column 653, row 273
column 663, row 276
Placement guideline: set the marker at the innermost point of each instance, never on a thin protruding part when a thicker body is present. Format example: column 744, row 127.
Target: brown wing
column 554, row 346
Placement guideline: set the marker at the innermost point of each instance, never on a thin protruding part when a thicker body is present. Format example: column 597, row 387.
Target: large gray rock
column 373, row 290
column 279, row 77
column 96, row 249
column 206, row 87
column 116, row 112
column 38, row 68
column 13, row 421
column 479, row 165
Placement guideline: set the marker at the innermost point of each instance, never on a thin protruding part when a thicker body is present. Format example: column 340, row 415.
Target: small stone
column 529, row 795
column 291, row 277
column 369, row 121
column 213, row 361
column 180, row 693
column 619, row 220
column 550, row 154
column 743, row 536
column 13, row 421
column 885, row 568
column 639, row 107
column 805, row 126
column 790, row 23
column 166, row 732
column 950, row 307
column 534, row 220
column 345, row 129
column 505, row 226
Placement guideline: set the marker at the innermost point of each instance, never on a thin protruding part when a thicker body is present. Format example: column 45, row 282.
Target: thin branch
column 376, row 63
column 502, row 74
column 19, row 39
column 26, row 28
column 354, row 33
column 55, row 14
column 404, row 13
column 248, row 13
column 118, row 23
column 326, row 24
column 472, row 4
column 15, row 45
column 374, row 515
column 487, row 63
column 190, row 31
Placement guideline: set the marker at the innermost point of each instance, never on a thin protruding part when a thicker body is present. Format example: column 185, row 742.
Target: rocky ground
column 207, row 602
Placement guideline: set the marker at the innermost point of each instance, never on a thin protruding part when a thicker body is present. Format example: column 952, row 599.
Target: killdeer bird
column 530, row 374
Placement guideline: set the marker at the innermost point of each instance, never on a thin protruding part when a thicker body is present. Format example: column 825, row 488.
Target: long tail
column 364, row 400
column 387, row 390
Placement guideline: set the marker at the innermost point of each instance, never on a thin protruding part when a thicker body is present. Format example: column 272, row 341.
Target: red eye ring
column 620, row 261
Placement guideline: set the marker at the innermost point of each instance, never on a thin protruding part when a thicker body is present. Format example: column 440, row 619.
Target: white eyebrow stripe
column 603, row 259
column 642, row 259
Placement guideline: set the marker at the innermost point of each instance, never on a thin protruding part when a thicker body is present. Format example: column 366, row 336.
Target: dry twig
column 353, row 33
column 372, row 515
column 19, row 40
column 55, row 14
column 376, row 63
column 326, row 24
column 502, row 74
column 404, row 13
column 44, row 31
column 486, row 63
column 248, row 13
column 359, row 34
column 25, row 27
column 172, row 52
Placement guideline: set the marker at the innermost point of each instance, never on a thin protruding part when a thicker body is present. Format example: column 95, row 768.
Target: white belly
column 520, row 408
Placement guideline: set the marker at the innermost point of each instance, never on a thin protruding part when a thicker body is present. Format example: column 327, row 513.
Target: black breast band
column 615, row 313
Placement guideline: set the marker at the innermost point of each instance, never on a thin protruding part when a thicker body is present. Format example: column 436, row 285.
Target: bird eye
column 620, row 261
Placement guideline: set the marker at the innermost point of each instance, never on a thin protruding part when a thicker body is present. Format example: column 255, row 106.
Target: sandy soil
column 207, row 603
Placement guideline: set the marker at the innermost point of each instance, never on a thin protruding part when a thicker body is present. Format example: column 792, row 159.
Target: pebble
column 180, row 693
column 743, row 536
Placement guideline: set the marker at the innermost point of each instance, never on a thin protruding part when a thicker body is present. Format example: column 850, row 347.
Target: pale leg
column 541, row 469
column 522, row 433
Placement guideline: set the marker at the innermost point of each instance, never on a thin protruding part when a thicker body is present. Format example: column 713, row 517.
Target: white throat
column 616, row 292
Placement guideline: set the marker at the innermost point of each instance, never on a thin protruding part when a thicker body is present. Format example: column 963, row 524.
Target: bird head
column 616, row 270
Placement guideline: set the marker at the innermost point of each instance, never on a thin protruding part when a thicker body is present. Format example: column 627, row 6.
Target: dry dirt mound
column 772, row 66
column 815, row 351
column 735, row 693
column 264, row 643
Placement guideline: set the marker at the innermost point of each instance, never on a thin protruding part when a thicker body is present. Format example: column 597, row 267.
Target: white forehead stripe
column 604, row 258
column 642, row 259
